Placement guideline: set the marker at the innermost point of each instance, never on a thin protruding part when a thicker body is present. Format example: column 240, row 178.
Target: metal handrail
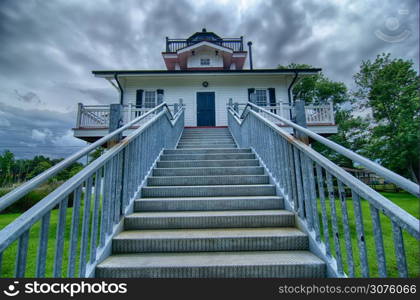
column 364, row 190
column 308, row 180
column 393, row 177
column 111, row 182
column 25, row 188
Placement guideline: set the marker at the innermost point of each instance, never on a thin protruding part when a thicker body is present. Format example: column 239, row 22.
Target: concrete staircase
column 209, row 211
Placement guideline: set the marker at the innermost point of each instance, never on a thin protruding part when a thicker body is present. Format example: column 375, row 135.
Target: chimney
column 250, row 54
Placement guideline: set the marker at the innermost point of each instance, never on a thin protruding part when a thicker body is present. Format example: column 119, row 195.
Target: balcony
column 93, row 120
column 236, row 44
column 319, row 118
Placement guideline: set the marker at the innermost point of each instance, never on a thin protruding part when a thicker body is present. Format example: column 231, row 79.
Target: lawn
column 10, row 253
column 406, row 201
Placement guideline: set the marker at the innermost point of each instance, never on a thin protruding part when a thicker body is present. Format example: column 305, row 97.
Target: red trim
column 205, row 68
column 205, row 127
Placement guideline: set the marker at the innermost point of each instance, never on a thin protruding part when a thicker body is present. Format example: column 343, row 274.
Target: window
column 149, row 99
column 205, row 61
column 261, row 97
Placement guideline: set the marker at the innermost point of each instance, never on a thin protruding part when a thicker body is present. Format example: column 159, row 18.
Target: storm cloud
column 48, row 49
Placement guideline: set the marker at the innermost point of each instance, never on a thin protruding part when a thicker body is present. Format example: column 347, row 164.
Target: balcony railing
column 236, row 44
column 97, row 116
column 322, row 114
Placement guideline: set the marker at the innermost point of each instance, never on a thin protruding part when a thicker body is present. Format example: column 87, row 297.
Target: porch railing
column 321, row 114
column 90, row 205
column 97, row 116
column 314, row 187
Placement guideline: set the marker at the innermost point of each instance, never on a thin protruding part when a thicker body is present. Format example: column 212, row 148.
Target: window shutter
column 250, row 91
column 159, row 93
column 272, row 96
column 139, row 98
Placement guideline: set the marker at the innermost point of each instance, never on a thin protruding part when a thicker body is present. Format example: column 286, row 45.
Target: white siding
column 186, row 87
column 194, row 61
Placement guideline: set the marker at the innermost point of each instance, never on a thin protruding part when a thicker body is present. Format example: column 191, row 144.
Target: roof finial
column 204, row 30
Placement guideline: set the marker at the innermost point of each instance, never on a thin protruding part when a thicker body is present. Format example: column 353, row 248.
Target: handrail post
column 115, row 122
column 281, row 108
column 332, row 113
column 300, row 119
column 79, row 114
column 130, row 112
column 230, row 102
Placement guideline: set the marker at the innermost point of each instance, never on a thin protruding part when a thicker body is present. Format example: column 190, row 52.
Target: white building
column 203, row 72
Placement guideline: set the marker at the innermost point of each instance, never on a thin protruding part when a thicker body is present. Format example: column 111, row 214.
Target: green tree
column 320, row 89
column 390, row 88
column 7, row 161
column 40, row 167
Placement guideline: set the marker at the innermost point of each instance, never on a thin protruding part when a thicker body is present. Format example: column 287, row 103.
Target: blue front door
column 206, row 111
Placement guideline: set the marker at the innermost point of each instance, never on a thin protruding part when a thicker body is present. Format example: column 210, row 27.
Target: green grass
column 9, row 255
column 405, row 201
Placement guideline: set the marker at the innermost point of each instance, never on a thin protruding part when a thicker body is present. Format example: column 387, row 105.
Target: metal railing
column 312, row 185
column 97, row 116
column 316, row 114
column 95, row 200
column 173, row 45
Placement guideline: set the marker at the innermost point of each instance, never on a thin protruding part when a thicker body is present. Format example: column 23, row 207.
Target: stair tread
column 228, row 167
column 217, row 149
column 211, row 176
column 209, row 233
column 227, row 198
column 210, row 186
column 198, row 259
column 218, row 213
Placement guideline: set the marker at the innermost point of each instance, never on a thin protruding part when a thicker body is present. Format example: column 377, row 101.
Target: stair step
column 208, row 203
column 206, row 151
column 208, row 171
column 204, row 142
column 209, row 219
column 199, row 135
column 208, row 140
column 207, row 163
column 206, row 137
column 205, row 156
column 208, row 190
column 207, row 180
column 199, row 240
column 241, row 264
column 206, row 130
column 206, row 146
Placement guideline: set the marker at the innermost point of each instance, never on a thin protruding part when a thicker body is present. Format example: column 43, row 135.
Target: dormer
column 204, row 51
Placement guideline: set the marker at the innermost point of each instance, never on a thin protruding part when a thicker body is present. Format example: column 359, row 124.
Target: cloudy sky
column 48, row 49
